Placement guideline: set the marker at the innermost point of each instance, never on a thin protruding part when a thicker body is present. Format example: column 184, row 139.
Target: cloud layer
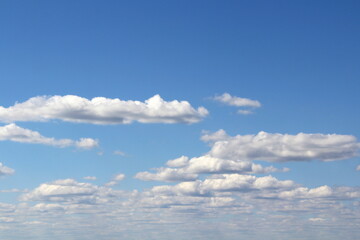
column 102, row 110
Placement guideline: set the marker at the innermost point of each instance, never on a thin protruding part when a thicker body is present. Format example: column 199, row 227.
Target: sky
column 179, row 119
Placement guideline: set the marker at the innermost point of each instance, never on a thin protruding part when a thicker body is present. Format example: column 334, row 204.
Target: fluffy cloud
column 338, row 193
column 224, row 183
column 5, row 170
column 282, row 147
column 71, row 191
column 237, row 101
column 167, row 175
column 186, row 169
column 358, row 168
column 12, row 132
column 102, row 110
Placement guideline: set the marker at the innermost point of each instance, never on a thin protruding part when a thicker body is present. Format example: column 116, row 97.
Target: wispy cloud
column 92, row 178
column 247, row 105
column 12, row 132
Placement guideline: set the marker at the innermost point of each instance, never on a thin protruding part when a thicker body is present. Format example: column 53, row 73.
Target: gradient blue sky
column 299, row 59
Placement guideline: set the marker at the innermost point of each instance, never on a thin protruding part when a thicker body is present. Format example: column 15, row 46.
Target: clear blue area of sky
column 300, row 59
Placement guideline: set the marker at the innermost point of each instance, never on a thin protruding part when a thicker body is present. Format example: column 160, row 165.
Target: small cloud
column 116, row 179
column 245, row 112
column 358, row 168
column 111, row 183
column 14, row 190
column 92, row 178
column 227, row 99
column 237, row 101
column 87, row 143
column 5, row 170
column 316, row 219
column 119, row 153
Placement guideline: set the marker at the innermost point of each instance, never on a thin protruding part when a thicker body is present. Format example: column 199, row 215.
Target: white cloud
column 245, row 112
column 69, row 190
column 282, row 147
column 237, row 101
column 5, row 170
column 119, row 177
column 118, row 152
column 178, row 162
column 185, row 169
column 303, row 192
column 102, row 110
column 13, row 190
column 87, row 143
column 316, row 219
column 208, row 164
column 12, row 132
column 116, row 179
column 358, row 168
column 92, row 178
column 224, row 183
column 188, row 169
column 167, row 175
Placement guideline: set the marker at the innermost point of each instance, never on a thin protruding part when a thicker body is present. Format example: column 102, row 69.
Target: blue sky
column 245, row 122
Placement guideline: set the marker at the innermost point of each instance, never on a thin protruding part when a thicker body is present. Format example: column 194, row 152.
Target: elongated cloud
column 237, row 101
column 282, row 147
column 12, row 132
column 5, row 170
column 188, row 169
column 225, row 183
column 102, row 110
column 69, row 190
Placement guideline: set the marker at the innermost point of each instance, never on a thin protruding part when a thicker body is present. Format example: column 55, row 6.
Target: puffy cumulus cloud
column 167, row 175
column 188, row 169
column 224, row 183
column 155, row 199
column 231, row 202
column 178, row 162
column 5, row 170
column 303, row 192
column 237, row 101
column 87, row 143
column 116, row 179
column 282, row 147
column 12, row 132
column 209, row 164
column 70, row 191
column 334, row 193
column 102, row 110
